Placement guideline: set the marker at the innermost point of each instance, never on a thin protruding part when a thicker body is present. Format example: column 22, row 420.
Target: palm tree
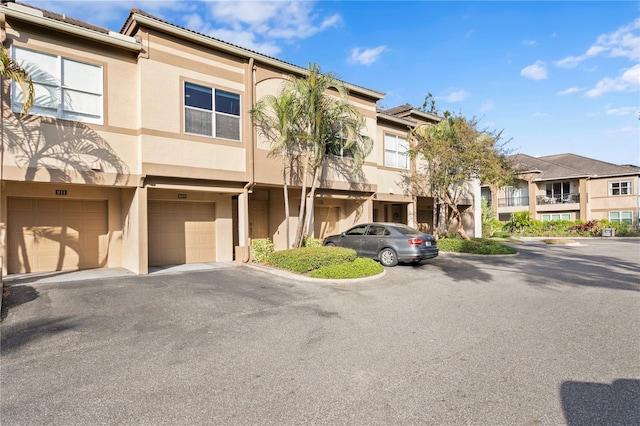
column 329, row 120
column 12, row 70
column 278, row 120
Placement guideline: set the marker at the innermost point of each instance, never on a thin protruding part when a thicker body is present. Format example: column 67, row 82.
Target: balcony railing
column 513, row 202
column 566, row 198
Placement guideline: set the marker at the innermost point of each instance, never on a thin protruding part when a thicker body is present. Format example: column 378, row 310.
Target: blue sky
column 554, row 76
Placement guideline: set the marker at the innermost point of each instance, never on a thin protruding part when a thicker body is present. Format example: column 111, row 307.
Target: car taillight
column 415, row 241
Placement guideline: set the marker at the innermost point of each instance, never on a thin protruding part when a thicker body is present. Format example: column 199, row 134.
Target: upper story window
column 64, row 88
column 396, row 151
column 211, row 112
column 558, row 189
column 337, row 150
column 621, row 187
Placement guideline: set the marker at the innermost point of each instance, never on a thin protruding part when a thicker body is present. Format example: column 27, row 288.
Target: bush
column 305, row 259
column 261, row 248
column 474, row 246
column 360, row 267
column 311, row 242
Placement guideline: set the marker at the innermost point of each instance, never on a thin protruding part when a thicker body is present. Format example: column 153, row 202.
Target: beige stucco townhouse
column 139, row 150
column 569, row 187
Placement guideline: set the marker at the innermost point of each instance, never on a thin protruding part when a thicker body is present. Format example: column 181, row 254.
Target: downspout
column 245, row 241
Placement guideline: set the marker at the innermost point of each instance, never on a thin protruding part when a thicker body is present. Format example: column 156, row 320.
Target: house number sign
column 61, row 192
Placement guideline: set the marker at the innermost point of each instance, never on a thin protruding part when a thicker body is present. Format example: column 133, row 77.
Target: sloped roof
column 561, row 166
column 130, row 21
column 66, row 19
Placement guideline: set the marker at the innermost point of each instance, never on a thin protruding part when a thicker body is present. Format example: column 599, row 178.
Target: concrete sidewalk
column 102, row 273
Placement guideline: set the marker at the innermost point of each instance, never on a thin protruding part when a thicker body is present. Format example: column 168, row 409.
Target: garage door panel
column 181, row 232
column 50, row 235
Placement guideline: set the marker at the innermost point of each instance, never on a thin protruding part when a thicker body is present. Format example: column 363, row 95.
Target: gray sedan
column 389, row 243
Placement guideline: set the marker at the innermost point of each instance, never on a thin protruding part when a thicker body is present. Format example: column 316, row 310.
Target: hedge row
column 305, row 259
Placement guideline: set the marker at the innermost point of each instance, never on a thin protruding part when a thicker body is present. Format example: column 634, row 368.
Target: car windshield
column 407, row 230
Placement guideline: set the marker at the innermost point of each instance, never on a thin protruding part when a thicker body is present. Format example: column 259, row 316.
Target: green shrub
column 261, row 248
column 305, row 259
column 519, row 221
column 474, row 246
column 360, row 267
column 311, row 242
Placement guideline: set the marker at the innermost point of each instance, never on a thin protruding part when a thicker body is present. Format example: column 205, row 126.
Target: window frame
column 549, row 217
column 628, row 187
column 620, row 220
column 397, row 153
column 214, row 111
column 63, row 109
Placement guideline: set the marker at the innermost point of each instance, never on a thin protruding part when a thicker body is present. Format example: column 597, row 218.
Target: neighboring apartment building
column 140, row 151
column 570, row 187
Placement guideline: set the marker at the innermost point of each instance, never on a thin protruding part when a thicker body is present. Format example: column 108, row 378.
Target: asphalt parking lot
column 549, row 336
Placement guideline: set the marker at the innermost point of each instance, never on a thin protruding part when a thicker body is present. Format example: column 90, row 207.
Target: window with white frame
column 337, row 149
column 211, row 112
column 396, row 151
column 621, row 217
column 64, row 88
column 556, row 216
column 620, row 187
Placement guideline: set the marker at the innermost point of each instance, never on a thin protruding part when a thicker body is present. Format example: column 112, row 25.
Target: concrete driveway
column 549, row 336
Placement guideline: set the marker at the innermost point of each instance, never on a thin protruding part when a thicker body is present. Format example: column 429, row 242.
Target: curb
column 293, row 276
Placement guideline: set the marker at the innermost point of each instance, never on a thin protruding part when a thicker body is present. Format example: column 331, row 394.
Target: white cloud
column 539, row 114
column 455, row 96
column 569, row 91
column 628, row 81
column 622, row 110
column 486, row 106
column 529, row 42
column 622, row 42
column 366, row 56
column 537, row 71
column 285, row 20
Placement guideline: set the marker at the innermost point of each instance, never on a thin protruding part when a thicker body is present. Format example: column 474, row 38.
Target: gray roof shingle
column 562, row 166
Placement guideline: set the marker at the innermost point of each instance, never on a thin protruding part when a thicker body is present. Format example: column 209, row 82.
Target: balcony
column 513, row 202
column 572, row 198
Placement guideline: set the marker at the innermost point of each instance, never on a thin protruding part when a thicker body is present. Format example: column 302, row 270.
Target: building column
column 477, row 211
column 135, row 233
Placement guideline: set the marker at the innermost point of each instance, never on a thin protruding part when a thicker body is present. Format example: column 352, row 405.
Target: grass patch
column 474, row 246
column 306, row 259
column 324, row 262
column 359, row 268
column 553, row 241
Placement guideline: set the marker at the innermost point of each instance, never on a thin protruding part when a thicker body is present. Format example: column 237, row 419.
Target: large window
column 558, row 189
column 621, row 187
column 621, row 217
column 64, row 88
column 211, row 112
column 556, row 216
column 396, row 150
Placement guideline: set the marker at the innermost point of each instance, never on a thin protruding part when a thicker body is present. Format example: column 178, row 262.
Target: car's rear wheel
column 388, row 257
column 330, row 245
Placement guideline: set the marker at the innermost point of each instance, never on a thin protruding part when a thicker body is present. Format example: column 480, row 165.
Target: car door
column 373, row 240
column 353, row 238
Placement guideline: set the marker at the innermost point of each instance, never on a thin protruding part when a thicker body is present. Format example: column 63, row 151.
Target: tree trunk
column 286, row 201
column 303, row 198
column 310, row 204
column 455, row 212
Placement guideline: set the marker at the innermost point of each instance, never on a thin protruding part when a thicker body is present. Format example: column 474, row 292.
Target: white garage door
column 56, row 235
column 181, row 232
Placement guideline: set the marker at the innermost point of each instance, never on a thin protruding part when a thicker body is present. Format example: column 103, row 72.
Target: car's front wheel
column 330, row 245
column 388, row 257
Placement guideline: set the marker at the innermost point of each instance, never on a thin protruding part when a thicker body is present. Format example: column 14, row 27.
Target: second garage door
column 181, row 232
